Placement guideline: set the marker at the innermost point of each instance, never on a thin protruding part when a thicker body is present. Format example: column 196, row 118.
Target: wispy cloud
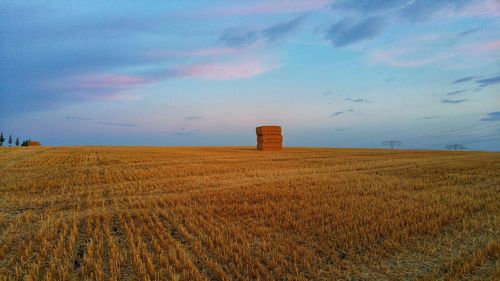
column 182, row 132
column 78, row 118
column 484, row 82
column 349, row 31
column 111, row 86
column 193, row 53
column 469, row 32
column 100, row 123
column 101, row 86
column 464, row 79
column 186, row 132
column 338, row 113
column 474, row 46
column 190, row 118
column 478, row 8
column 456, row 92
column 116, row 124
column 109, row 80
column 432, row 49
column 484, row 47
column 227, row 70
column 282, row 29
column 358, row 100
column 237, row 37
column 272, row 7
column 430, row 117
column 419, row 10
column 244, row 37
column 492, row 116
column 410, row 52
column 453, row 101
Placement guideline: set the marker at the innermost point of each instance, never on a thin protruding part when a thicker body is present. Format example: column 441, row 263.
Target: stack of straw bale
column 269, row 138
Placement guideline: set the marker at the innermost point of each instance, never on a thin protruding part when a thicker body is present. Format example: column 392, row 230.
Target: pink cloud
column 126, row 87
column 485, row 47
column 206, row 52
column 413, row 52
column 108, row 81
column 482, row 8
column 209, row 71
column 117, row 95
column 432, row 49
column 406, row 57
column 226, row 71
column 98, row 86
column 270, row 7
column 103, row 86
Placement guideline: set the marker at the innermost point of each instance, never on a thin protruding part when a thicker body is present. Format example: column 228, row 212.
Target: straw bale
column 268, row 130
column 270, row 139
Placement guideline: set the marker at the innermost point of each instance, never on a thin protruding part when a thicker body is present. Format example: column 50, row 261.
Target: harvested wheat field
column 235, row 213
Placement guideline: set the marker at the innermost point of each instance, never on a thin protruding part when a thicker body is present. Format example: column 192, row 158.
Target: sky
column 337, row 73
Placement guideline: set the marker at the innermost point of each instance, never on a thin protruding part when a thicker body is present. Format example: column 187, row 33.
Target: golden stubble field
column 234, row 213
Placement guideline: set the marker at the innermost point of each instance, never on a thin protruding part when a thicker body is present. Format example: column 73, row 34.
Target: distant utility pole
column 391, row 143
column 455, row 146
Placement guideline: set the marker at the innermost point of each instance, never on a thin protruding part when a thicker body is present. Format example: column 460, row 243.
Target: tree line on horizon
column 11, row 141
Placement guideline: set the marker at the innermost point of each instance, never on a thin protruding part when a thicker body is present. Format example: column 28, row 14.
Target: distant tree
column 17, row 141
column 2, row 139
column 391, row 143
column 25, row 143
column 10, row 140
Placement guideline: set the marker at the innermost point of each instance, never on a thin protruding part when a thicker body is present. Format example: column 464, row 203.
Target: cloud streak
column 464, row 79
column 273, row 7
column 417, row 10
column 116, row 124
column 433, row 49
column 347, row 31
column 78, row 118
column 453, row 101
column 240, row 37
column 430, row 117
column 112, row 86
column 485, row 47
column 484, row 82
column 411, row 52
column 453, row 93
column 281, row 30
column 190, row 118
column 492, row 116
column 338, row 113
column 358, row 100
column 182, row 132
column 227, row 70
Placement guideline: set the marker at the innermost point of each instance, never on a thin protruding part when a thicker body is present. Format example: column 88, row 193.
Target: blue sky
column 332, row 73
